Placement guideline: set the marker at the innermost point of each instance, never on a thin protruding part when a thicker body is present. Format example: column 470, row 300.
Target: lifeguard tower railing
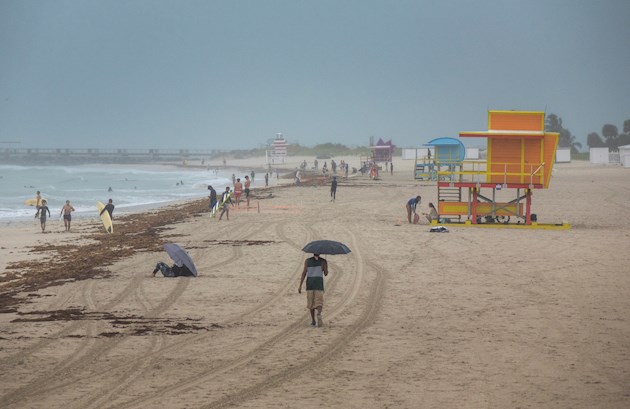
column 438, row 166
column 479, row 174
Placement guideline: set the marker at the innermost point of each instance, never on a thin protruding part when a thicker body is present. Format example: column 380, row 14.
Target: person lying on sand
column 174, row 271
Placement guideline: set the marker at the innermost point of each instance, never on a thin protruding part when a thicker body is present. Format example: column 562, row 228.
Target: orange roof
column 519, row 134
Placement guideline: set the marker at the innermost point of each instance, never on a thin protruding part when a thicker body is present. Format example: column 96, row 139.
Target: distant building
column 277, row 152
column 279, row 147
column 382, row 151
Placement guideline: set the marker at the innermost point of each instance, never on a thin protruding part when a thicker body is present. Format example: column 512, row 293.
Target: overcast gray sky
column 231, row 74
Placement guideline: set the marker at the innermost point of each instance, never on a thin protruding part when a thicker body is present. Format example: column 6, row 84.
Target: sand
column 473, row 318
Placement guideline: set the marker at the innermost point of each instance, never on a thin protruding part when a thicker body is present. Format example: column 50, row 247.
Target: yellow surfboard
column 107, row 221
column 32, row 202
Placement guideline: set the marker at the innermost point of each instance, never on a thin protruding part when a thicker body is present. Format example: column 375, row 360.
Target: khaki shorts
column 314, row 299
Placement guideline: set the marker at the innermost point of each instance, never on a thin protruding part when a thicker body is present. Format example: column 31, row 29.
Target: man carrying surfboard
column 110, row 209
column 36, row 201
column 213, row 197
column 226, row 200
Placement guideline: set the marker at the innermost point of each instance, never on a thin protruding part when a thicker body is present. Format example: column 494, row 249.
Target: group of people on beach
column 315, row 267
column 237, row 194
column 43, row 211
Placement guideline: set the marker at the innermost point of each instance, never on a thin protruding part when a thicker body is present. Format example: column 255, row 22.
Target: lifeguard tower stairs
column 498, row 192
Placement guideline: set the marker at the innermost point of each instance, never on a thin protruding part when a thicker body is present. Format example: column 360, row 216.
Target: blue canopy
column 448, row 150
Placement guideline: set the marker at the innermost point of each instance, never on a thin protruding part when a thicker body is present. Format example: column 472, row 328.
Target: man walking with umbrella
column 315, row 268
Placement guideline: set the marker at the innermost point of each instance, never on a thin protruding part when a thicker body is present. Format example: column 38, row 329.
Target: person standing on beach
column 333, row 189
column 226, row 199
column 38, row 199
column 411, row 207
column 213, row 197
column 238, row 191
column 110, row 209
column 267, row 179
column 253, row 174
column 67, row 210
column 315, row 268
column 41, row 213
column 247, row 185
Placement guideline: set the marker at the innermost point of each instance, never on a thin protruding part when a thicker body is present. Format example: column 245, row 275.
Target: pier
column 29, row 156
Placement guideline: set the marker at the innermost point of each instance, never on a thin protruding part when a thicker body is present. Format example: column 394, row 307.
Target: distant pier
column 20, row 156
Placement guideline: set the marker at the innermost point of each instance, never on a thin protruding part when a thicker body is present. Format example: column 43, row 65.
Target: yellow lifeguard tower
column 520, row 157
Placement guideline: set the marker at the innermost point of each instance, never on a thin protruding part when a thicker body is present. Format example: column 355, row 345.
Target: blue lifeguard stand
column 449, row 154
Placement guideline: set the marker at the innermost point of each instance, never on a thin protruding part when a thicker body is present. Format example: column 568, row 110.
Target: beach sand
column 473, row 318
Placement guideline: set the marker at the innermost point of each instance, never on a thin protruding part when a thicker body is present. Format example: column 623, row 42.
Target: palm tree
column 610, row 134
column 569, row 140
column 553, row 123
column 593, row 140
column 624, row 138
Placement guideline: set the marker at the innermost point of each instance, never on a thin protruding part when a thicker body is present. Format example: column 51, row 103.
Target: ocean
column 132, row 187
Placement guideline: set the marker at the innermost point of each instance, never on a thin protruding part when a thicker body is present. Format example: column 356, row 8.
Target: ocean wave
column 87, row 184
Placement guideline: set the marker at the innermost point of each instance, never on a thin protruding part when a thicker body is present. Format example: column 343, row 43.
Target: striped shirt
column 315, row 274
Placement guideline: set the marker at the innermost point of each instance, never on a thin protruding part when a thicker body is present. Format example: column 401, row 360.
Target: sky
column 232, row 74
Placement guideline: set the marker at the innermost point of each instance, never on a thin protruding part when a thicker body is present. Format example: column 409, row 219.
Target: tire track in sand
column 69, row 370
column 105, row 394
column 140, row 364
column 75, row 325
column 72, row 368
column 348, row 335
column 45, row 384
column 285, row 333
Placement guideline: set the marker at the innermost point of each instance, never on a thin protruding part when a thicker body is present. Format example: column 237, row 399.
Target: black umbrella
column 180, row 256
column 326, row 247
